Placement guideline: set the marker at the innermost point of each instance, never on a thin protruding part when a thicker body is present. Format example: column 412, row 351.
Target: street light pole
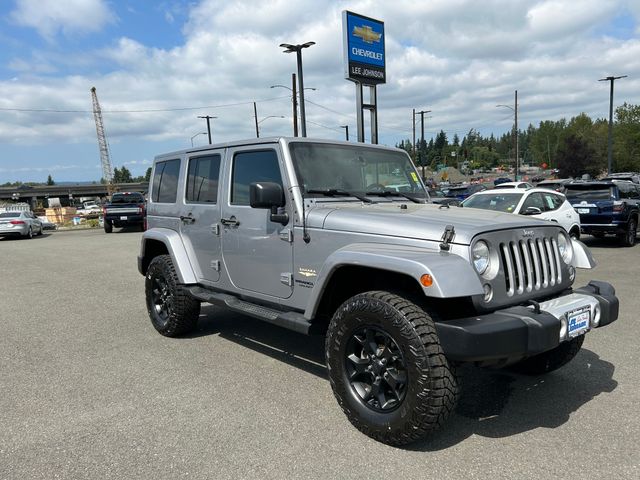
column 294, row 99
column 610, row 139
column 194, row 136
column 516, row 142
column 208, row 117
column 259, row 122
column 298, row 50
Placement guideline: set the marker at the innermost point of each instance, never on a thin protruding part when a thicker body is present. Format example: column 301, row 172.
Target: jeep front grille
column 530, row 264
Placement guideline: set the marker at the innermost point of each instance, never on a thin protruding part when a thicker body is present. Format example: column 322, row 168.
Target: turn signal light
column 426, row 280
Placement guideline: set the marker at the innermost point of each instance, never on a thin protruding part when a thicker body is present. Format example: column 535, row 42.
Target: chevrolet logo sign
column 366, row 34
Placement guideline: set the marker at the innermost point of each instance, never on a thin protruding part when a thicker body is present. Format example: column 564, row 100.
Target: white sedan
column 535, row 202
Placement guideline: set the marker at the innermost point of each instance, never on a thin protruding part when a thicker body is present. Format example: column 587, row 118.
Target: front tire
column 552, row 360
column 171, row 309
column 387, row 368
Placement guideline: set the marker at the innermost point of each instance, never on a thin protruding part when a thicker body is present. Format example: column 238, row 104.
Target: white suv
column 535, row 202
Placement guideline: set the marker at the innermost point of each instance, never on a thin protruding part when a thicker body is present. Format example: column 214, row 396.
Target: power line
column 151, row 110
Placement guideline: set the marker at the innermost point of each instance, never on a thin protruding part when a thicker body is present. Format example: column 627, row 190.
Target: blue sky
column 158, row 65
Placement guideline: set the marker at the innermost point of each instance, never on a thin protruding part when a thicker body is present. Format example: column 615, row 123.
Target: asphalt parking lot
column 90, row 390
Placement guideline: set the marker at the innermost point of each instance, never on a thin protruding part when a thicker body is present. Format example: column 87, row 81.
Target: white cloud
column 457, row 58
column 49, row 17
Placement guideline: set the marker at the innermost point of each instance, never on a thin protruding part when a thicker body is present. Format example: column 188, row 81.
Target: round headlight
column 565, row 247
column 480, row 256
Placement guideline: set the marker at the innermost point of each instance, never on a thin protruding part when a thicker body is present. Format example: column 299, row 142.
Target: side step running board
column 290, row 320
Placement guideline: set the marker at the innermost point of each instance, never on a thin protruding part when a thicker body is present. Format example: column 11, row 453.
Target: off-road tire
column 628, row 238
column 552, row 360
column 171, row 309
column 431, row 387
column 108, row 226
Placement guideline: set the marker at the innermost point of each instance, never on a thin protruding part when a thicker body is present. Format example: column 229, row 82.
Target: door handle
column 232, row 221
column 187, row 219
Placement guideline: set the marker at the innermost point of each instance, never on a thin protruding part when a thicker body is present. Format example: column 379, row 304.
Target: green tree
column 147, row 175
column 626, row 138
column 576, row 157
column 122, row 175
column 50, row 181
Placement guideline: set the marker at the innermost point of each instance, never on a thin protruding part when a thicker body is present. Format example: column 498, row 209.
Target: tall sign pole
column 364, row 62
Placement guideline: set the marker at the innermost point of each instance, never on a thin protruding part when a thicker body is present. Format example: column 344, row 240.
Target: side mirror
column 265, row 195
column 532, row 211
column 268, row 195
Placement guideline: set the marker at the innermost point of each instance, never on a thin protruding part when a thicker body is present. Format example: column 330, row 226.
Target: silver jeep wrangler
column 308, row 235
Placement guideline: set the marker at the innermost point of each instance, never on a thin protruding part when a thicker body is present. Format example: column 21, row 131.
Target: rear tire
column 387, row 369
column 29, row 234
column 108, row 226
column 171, row 309
column 628, row 239
column 552, row 360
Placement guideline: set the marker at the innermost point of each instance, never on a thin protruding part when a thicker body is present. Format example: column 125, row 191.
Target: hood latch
column 447, row 236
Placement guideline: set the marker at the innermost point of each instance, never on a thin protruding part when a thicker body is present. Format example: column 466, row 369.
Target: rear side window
column 593, row 193
column 552, row 202
column 249, row 167
column 164, row 186
column 202, row 179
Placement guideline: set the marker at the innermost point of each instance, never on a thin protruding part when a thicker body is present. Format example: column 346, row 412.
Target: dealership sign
column 364, row 57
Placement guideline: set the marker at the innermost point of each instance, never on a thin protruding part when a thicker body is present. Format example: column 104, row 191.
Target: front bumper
column 517, row 332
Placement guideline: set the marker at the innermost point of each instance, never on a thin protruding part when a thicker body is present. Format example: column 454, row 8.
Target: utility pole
column 255, row 115
column 515, row 110
column 414, row 135
column 208, row 117
column 610, row 140
column 346, row 129
column 422, row 112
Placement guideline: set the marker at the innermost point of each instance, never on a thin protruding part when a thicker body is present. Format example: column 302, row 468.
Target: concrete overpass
column 66, row 193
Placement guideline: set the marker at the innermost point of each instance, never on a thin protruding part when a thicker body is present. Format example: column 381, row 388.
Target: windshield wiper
column 332, row 192
column 389, row 193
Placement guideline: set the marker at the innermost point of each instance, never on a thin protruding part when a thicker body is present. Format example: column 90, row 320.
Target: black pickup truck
column 125, row 209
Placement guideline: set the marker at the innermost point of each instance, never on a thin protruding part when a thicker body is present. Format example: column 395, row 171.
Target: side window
column 165, row 181
column 533, row 200
column 249, row 167
column 202, row 179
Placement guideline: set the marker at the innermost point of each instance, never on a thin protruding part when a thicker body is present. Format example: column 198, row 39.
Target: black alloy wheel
column 376, row 369
column 162, row 300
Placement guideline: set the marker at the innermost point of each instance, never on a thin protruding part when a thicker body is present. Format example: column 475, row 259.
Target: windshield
column 500, row 202
column 590, row 192
column 359, row 169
